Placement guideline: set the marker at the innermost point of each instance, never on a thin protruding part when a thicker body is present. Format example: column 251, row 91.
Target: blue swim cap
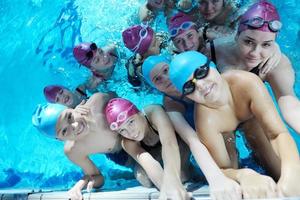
column 150, row 63
column 183, row 66
column 45, row 117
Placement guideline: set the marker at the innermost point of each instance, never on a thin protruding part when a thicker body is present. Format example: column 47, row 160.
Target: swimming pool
column 36, row 50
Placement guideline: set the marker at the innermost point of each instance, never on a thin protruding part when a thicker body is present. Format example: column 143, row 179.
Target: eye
column 61, row 91
column 69, row 117
column 166, row 70
column 190, row 36
column 248, row 42
column 266, row 45
column 64, row 131
column 178, row 41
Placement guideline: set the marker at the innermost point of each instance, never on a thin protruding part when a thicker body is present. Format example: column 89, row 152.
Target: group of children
column 212, row 85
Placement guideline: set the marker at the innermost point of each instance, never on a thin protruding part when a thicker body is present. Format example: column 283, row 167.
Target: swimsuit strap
column 81, row 92
column 213, row 52
column 149, row 123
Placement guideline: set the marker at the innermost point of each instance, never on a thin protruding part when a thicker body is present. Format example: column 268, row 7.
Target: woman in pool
column 156, row 72
column 143, row 42
column 253, row 49
column 224, row 102
column 62, row 95
column 100, row 61
column 143, row 131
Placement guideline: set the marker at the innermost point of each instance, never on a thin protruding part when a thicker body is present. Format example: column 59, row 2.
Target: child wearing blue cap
column 222, row 103
column 156, row 72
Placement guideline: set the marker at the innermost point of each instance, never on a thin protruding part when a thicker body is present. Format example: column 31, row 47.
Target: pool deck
column 133, row 193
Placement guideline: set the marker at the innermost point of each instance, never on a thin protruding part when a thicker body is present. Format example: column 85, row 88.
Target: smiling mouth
column 81, row 128
column 208, row 90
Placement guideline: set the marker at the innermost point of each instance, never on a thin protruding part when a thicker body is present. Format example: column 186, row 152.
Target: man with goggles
column 239, row 99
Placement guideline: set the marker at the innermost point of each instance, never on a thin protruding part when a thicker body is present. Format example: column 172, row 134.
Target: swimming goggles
column 89, row 55
column 143, row 33
column 200, row 73
column 184, row 26
column 122, row 116
column 258, row 22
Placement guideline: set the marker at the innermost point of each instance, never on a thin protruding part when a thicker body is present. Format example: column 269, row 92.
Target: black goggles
column 89, row 55
column 200, row 73
column 258, row 22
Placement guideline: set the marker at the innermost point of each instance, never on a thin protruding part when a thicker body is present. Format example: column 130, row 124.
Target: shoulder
column 73, row 150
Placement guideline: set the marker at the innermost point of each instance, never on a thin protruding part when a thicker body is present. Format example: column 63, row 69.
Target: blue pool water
column 36, row 50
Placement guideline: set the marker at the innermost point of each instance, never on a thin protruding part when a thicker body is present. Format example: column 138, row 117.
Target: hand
column 271, row 62
column 224, row 188
column 288, row 184
column 255, row 185
column 185, row 4
column 75, row 193
column 82, row 109
column 173, row 190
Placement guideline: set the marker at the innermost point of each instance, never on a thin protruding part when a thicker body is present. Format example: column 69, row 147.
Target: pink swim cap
column 177, row 21
column 262, row 9
column 51, row 91
column 84, row 53
column 138, row 38
column 118, row 110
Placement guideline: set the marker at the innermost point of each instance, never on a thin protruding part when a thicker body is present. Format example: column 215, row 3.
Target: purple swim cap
column 176, row 22
column 138, row 38
column 117, row 111
column 51, row 91
column 84, row 53
column 262, row 9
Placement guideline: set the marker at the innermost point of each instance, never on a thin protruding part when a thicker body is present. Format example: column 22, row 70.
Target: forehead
column 258, row 35
column 157, row 68
column 185, row 33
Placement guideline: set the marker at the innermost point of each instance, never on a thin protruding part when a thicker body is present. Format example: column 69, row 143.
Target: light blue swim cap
column 150, row 63
column 45, row 117
column 183, row 66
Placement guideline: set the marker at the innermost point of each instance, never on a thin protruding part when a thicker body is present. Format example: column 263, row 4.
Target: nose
column 187, row 45
column 199, row 84
column 255, row 51
column 209, row 7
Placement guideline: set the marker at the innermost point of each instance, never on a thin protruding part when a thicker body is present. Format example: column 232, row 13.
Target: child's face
column 133, row 128
column 210, row 9
column 187, row 41
column 160, row 78
column 71, row 126
column 65, row 97
column 102, row 59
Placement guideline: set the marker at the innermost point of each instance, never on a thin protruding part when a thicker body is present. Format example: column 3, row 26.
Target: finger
column 90, row 186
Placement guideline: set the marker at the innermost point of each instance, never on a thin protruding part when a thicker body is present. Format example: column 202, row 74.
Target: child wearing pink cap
column 143, row 42
column 184, row 33
column 254, row 49
column 100, row 61
column 143, row 132
column 62, row 95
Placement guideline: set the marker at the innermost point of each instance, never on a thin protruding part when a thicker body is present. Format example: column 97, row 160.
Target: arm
column 264, row 110
column 219, row 184
column 148, row 163
column 92, row 176
column 171, row 185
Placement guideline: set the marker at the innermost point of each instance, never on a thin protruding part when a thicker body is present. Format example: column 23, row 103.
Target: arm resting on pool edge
column 93, row 177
